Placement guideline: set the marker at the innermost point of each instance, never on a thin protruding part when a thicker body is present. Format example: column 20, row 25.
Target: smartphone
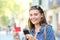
column 25, row 31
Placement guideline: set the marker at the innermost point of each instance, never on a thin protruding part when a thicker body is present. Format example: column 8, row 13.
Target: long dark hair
column 43, row 19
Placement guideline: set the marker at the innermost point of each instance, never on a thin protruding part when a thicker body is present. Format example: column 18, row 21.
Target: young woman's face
column 35, row 16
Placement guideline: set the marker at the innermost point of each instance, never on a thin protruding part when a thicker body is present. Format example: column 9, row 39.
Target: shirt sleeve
column 50, row 33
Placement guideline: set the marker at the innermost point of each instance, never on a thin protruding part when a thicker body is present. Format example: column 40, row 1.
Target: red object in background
column 17, row 29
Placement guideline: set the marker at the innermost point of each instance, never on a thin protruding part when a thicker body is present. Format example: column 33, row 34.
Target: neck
column 37, row 26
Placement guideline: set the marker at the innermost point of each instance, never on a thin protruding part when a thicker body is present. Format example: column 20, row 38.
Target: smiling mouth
column 33, row 20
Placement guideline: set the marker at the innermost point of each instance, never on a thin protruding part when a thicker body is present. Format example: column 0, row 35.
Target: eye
column 30, row 14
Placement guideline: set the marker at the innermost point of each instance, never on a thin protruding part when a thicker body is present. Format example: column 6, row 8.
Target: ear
column 41, row 15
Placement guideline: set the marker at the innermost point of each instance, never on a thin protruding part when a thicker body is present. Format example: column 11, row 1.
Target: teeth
column 33, row 20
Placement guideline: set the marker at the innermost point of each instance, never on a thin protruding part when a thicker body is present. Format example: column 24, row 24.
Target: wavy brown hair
column 43, row 19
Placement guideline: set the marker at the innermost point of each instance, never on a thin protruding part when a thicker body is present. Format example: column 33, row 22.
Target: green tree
column 4, row 20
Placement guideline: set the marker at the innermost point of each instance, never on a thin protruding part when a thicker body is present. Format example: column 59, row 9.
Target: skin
column 16, row 35
column 35, row 18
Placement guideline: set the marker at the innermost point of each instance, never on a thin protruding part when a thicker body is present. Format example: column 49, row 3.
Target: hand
column 14, row 33
column 30, row 37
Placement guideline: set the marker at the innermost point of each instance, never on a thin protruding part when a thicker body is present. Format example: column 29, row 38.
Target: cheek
column 39, row 18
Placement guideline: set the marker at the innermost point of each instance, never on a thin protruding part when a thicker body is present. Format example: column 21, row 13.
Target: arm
column 16, row 35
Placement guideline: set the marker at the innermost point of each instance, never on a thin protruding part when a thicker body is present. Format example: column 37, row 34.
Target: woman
column 36, row 23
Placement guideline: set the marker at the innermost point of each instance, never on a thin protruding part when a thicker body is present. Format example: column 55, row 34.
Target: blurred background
column 16, row 12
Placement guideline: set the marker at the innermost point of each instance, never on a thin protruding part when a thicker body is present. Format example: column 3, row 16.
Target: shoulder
column 49, row 29
column 50, row 32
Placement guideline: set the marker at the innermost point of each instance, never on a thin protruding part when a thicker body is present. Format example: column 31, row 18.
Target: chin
column 35, row 23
